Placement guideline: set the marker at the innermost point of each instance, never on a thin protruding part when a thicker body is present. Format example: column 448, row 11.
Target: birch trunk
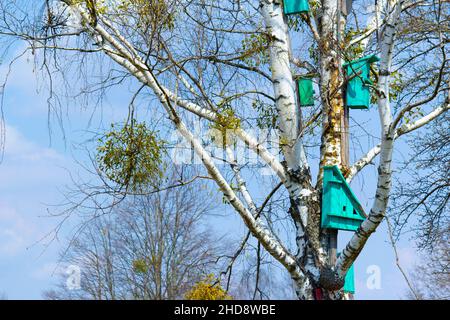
column 331, row 26
column 304, row 198
column 377, row 213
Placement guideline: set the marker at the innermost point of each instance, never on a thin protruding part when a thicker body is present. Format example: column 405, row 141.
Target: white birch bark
column 298, row 176
column 377, row 213
column 283, row 84
column 241, row 182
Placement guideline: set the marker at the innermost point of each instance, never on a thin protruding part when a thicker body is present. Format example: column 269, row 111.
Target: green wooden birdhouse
column 305, row 91
column 340, row 207
column 349, row 284
column 358, row 93
column 295, row 6
column 349, row 280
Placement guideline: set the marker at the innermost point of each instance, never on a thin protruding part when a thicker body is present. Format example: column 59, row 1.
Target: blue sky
column 35, row 170
column 33, row 175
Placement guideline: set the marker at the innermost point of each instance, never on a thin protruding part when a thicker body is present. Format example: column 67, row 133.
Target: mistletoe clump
column 207, row 289
column 148, row 14
column 255, row 51
column 222, row 131
column 140, row 266
column 352, row 52
column 151, row 14
column 131, row 155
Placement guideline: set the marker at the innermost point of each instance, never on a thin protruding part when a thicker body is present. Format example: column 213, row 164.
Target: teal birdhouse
column 295, row 6
column 340, row 207
column 358, row 71
column 305, row 92
column 349, row 280
column 349, row 284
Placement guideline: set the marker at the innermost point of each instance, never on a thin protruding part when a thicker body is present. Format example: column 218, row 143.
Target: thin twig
column 397, row 259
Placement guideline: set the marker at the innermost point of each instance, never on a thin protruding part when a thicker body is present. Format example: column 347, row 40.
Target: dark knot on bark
column 330, row 279
column 300, row 175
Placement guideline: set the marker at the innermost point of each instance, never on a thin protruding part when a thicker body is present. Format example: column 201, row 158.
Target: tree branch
column 404, row 129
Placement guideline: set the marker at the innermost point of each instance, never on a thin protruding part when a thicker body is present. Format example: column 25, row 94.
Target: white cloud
column 15, row 231
column 29, row 166
column 18, row 147
column 29, row 177
column 407, row 257
column 47, row 270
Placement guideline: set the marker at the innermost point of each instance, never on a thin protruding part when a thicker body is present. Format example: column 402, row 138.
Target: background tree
column 153, row 246
column 431, row 277
column 420, row 209
column 232, row 65
column 421, row 206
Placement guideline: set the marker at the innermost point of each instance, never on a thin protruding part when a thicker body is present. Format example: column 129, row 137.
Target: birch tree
column 232, row 65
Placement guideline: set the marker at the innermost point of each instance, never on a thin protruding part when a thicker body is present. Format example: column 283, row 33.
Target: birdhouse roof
column 339, row 178
column 367, row 59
